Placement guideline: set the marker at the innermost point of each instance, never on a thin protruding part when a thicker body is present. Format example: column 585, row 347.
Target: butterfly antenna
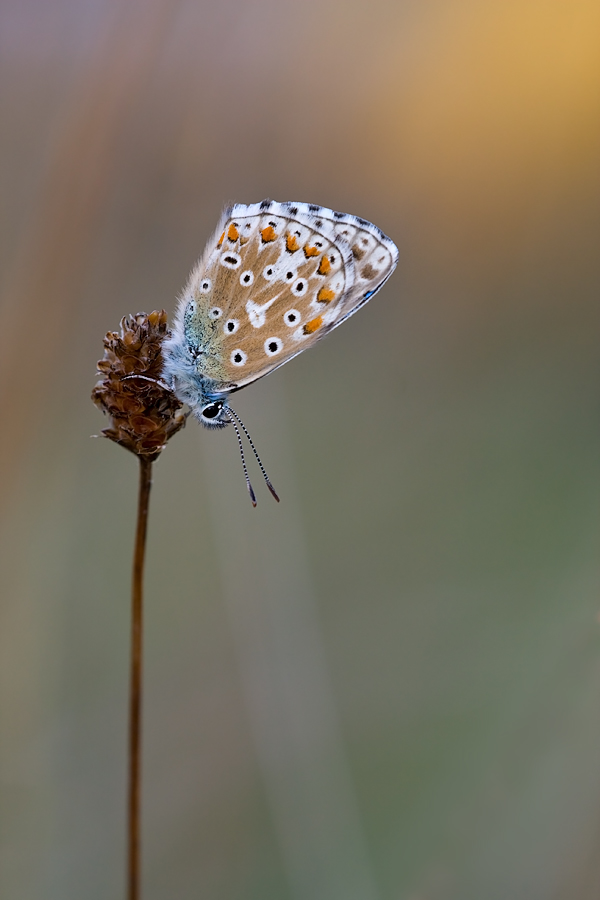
column 250, row 441
column 241, row 446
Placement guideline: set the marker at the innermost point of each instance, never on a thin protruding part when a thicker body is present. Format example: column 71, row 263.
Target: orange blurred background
column 387, row 687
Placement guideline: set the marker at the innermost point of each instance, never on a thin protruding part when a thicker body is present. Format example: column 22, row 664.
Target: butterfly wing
column 274, row 279
column 375, row 257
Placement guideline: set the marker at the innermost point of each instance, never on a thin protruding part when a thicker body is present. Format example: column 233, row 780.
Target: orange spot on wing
column 291, row 244
column 312, row 326
column 324, row 266
column 311, row 251
column 268, row 234
column 232, row 233
column 325, row 295
column 221, row 239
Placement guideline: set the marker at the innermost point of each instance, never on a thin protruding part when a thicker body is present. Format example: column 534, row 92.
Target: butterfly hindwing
column 274, row 279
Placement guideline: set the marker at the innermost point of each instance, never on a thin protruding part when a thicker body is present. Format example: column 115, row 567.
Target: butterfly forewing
column 274, row 279
column 266, row 290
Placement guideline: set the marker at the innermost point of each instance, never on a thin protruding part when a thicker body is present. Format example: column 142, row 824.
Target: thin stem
column 135, row 689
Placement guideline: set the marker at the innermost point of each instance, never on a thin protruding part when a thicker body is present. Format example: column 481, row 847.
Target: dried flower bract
column 144, row 413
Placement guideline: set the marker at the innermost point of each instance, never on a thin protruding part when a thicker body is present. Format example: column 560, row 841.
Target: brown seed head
column 144, row 414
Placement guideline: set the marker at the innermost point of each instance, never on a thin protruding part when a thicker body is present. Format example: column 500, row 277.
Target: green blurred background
column 388, row 686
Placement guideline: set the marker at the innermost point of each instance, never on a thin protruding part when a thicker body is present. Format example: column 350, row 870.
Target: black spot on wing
column 266, row 204
column 313, row 208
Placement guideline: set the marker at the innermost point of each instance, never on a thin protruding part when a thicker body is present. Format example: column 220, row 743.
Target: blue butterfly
column 273, row 280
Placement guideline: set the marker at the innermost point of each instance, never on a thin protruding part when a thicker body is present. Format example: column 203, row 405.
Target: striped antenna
column 239, row 437
column 251, row 442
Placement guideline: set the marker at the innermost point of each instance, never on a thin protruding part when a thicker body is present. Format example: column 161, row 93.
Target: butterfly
column 273, row 280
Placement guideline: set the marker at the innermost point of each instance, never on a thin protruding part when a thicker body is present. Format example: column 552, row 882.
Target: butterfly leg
column 157, row 381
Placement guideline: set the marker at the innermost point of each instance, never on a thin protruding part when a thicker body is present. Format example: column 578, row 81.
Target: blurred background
column 388, row 686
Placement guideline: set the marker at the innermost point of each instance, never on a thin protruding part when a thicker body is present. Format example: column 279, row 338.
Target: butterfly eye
column 205, row 286
column 300, row 287
column 231, row 326
column 246, row 278
column 231, row 260
column 212, row 410
column 273, row 345
column 291, row 317
column 238, row 357
column 268, row 273
column 215, row 313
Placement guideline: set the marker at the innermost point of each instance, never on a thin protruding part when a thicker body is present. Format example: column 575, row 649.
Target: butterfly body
column 274, row 279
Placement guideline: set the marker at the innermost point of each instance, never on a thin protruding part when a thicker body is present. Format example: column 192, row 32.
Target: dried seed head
column 144, row 414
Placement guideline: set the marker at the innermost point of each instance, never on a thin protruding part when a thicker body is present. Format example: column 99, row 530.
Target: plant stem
column 135, row 689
